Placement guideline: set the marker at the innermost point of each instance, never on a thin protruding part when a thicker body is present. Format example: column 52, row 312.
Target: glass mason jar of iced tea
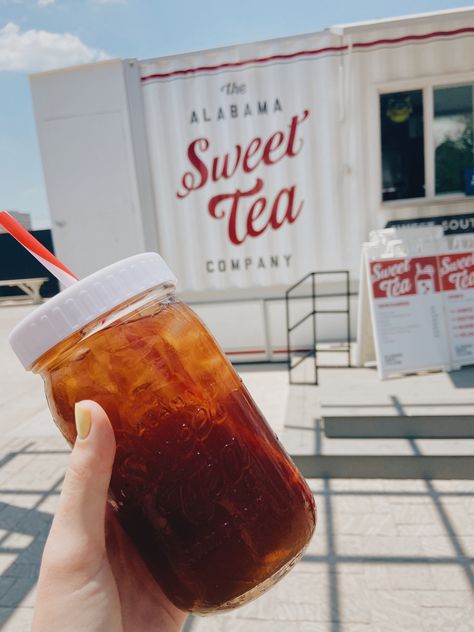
column 200, row 483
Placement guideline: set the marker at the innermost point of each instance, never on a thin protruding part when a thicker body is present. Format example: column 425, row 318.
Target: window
column 401, row 122
column 452, row 127
column 406, row 125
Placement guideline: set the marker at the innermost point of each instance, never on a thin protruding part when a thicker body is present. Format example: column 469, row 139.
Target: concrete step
column 313, row 440
column 318, row 455
column 398, row 426
column 388, row 466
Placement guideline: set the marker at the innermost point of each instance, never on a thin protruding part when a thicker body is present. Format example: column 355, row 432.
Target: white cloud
column 44, row 3
column 110, row 1
column 32, row 51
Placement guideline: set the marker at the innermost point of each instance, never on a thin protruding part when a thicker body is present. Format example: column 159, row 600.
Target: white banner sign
column 457, row 283
column 242, row 167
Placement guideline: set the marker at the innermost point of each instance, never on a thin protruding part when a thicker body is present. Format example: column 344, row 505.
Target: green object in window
column 399, row 110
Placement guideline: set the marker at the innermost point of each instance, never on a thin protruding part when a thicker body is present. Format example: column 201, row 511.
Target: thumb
column 80, row 515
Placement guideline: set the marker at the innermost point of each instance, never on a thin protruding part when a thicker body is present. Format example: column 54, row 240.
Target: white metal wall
column 95, row 163
column 109, row 198
column 175, row 88
column 430, row 60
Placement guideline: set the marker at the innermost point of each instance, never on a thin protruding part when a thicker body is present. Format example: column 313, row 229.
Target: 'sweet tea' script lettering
column 248, row 210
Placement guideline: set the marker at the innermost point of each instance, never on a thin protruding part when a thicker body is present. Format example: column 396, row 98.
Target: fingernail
column 83, row 420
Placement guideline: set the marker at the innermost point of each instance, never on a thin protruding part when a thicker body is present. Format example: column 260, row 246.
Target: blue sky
column 42, row 34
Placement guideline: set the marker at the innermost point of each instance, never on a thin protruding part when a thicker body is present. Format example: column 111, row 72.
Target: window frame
column 427, row 86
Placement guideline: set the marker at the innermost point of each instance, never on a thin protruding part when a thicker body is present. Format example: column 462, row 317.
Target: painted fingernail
column 83, row 420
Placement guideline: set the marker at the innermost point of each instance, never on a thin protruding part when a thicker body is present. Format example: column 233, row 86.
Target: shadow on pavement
column 463, row 378
column 24, row 533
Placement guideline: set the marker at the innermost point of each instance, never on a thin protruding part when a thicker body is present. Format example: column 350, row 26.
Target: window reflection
column 453, row 137
column 401, row 122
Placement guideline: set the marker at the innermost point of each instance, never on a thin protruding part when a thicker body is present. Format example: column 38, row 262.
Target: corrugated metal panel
column 177, row 105
column 427, row 52
column 337, row 172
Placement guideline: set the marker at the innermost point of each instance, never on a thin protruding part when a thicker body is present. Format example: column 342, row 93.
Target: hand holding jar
column 91, row 576
column 200, row 483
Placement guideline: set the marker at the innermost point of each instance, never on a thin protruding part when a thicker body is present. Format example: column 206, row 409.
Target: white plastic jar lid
column 86, row 300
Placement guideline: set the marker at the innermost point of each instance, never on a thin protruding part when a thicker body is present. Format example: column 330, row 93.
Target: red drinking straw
column 44, row 256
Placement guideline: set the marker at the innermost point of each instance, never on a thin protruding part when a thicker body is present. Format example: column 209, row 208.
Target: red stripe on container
column 306, row 53
column 246, row 62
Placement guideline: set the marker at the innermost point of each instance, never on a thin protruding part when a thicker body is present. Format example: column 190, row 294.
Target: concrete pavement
column 388, row 555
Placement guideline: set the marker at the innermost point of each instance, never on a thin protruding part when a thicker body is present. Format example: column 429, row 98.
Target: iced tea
column 200, row 482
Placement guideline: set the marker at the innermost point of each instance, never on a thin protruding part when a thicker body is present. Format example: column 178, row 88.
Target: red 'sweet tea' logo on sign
column 404, row 277
column 457, row 271
column 247, row 211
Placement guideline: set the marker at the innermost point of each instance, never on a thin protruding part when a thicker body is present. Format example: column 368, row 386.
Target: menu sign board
column 408, row 315
column 416, row 309
column 456, row 271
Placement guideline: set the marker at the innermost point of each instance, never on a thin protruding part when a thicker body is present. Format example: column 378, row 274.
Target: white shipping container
column 249, row 166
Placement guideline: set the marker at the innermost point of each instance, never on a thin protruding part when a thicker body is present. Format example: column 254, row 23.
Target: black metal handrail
column 313, row 313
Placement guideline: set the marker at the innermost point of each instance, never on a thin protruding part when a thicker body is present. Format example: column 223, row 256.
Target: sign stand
column 420, row 297
column 365, row 348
